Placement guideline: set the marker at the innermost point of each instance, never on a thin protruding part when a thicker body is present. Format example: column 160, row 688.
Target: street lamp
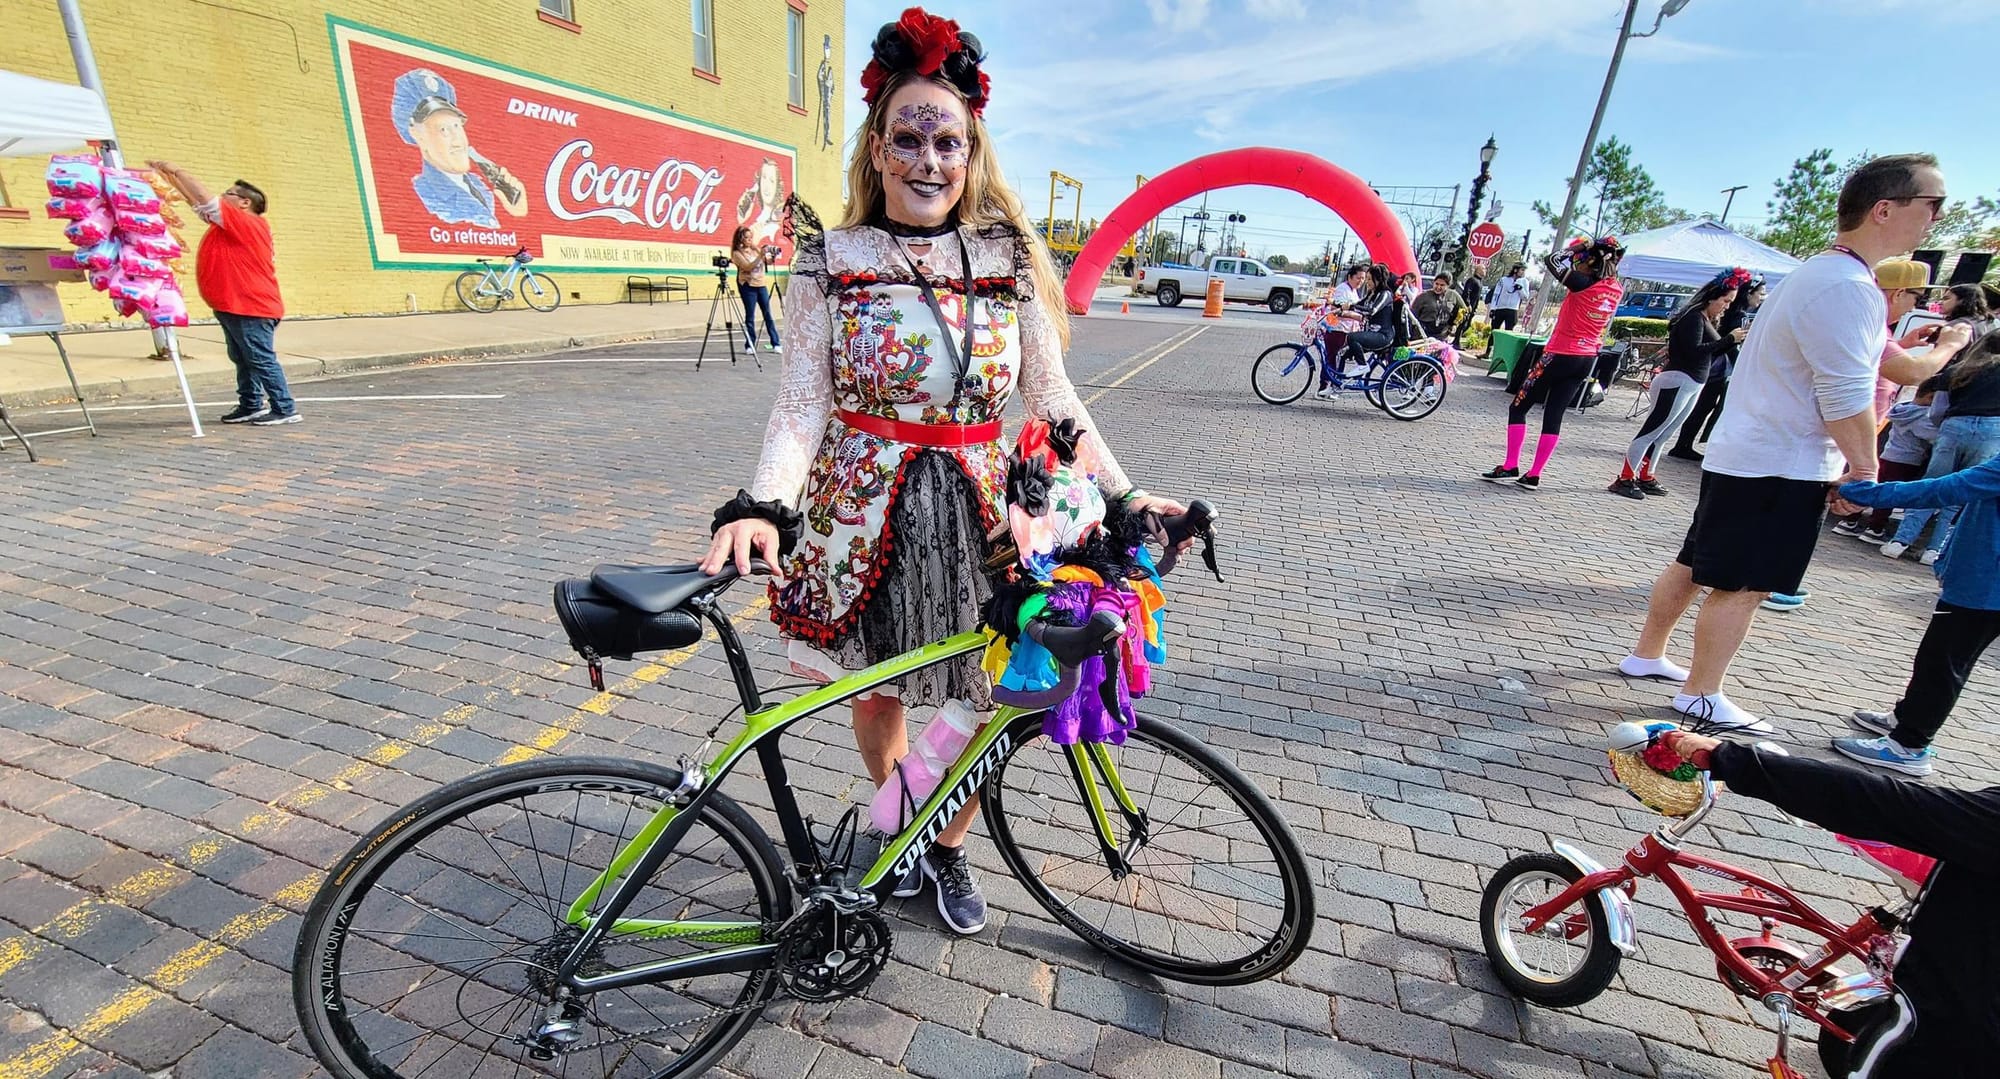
column 1667, row 10
column 1486, row 155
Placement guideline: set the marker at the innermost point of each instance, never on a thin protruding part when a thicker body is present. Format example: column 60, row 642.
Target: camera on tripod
column 720, row 262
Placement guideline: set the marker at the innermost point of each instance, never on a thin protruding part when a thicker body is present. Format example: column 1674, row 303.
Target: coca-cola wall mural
column 461, row 158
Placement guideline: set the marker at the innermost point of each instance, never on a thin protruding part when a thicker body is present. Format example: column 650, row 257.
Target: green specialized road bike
column 610, row 917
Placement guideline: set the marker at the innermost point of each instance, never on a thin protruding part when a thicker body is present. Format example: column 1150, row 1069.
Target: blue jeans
column 756, row 298
column 1962, row 442
column 253, row 349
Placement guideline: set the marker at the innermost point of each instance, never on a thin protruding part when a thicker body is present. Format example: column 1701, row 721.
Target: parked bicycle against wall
column 487, row 288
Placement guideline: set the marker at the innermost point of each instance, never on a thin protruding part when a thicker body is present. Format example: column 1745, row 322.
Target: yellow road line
column 44, row 1057
column 1171, row 347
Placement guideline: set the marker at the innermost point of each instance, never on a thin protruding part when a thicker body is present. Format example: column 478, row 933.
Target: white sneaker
column 1325, row 394
column 1892, row 549
column 1720, row 712
column 1666, row 670
column 1929, row 557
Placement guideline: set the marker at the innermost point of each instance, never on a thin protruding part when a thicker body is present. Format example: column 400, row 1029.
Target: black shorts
column 1754, row 534
column 1503, row 319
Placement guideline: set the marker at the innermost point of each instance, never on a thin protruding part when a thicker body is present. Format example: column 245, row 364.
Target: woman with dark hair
column 883, row 472
column 1700, row 423
column 751, row 261
column 1589, row 270
column 1693, row 340
column 1385, row 320
column 1967, row 304
column 1968, row 435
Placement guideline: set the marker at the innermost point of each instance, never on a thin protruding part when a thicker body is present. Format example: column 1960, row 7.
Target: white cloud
column 1276, row 10
column 1178, row 15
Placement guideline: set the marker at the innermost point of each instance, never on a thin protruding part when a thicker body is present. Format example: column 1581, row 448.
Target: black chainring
column 835, row 955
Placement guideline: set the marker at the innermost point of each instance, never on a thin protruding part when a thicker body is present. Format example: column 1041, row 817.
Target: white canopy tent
column 38, row 118
column 1692, row 252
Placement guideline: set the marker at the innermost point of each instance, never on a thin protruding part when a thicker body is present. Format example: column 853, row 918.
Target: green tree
column 1805, row 205
column 1620, row 197
column 1971, row 225
column 1278, row 262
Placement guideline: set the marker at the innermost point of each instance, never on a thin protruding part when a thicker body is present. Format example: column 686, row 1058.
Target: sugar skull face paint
column 923, row 154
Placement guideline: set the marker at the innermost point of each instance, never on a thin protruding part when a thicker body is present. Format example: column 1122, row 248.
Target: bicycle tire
column 1418, row 399
column 1371, row 382
column 1019, row 802
column 469, row 294
column 1281, row 392
column 1593, row 970
column 337, row 952
column 537, row 287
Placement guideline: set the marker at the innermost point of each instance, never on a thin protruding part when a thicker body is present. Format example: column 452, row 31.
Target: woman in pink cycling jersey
column 1589, row 270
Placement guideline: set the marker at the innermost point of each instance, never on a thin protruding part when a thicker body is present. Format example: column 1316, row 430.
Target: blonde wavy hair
column 986, row 199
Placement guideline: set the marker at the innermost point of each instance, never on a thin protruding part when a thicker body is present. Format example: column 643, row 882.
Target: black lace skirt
column 934, row 586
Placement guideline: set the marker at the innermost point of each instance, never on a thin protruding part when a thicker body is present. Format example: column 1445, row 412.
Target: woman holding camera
column 751, row 262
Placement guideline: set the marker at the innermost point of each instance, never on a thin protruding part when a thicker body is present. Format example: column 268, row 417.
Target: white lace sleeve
column 805, row 395
column 1046, row 390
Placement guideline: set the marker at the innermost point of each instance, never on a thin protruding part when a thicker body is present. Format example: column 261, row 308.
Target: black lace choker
column 897, row 228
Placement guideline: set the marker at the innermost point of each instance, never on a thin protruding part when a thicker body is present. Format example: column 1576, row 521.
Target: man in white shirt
column 1802, row 399
column 1503, row 305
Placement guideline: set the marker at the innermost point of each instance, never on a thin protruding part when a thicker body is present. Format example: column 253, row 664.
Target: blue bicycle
column 1408, row 386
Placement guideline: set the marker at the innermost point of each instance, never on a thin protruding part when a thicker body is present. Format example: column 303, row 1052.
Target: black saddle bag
column 602, row 628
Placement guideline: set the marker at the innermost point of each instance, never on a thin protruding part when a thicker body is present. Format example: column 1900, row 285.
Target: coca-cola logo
column 675, row 195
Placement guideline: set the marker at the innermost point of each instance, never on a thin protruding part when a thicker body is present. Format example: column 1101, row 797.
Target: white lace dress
column 895, row 533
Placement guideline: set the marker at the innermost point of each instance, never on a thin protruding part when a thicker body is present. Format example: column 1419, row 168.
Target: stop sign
column 1486, row 241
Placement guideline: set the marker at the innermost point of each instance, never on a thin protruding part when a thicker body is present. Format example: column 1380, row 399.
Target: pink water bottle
column 924, row 766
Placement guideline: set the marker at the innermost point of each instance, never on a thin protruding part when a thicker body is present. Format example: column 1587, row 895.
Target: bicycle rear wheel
column 474, row 291
column 539, row 291
column 1219, row 892
column 1412, row 388
column 430, row 948
column 1283, row 373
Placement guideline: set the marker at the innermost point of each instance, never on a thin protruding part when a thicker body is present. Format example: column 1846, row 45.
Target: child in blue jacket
column 1966, row 621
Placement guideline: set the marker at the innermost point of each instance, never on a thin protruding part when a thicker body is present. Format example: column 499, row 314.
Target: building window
column 704, row 35
column 795, row 51
column 561, row 9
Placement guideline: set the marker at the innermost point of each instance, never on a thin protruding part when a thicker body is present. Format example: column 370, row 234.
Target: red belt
column 937, row 435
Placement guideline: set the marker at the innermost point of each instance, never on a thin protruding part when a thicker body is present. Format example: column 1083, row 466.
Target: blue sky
column 1403, row 92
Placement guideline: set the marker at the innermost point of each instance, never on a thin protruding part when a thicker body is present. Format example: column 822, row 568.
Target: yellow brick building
column 634, row 135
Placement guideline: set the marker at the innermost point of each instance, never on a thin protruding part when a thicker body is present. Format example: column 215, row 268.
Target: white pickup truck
column 1244, row 280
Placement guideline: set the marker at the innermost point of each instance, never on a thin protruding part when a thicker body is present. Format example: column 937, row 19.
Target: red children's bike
column 1557, row 925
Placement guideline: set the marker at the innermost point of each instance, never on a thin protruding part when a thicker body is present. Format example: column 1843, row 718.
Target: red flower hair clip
column 925, row 44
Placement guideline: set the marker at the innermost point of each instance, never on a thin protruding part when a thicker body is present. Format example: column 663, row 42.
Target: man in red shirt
column 234, row 270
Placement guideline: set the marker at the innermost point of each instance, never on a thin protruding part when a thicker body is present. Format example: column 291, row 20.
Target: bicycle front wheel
column 1283, row 373
column 474, row 293
column 432, row 947
column 538, row 290
column 1217, row 892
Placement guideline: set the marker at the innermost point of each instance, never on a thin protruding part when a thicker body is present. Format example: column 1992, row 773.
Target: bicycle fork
column 1088, row 762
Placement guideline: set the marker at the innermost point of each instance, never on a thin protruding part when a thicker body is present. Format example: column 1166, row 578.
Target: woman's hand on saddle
column 738, row 541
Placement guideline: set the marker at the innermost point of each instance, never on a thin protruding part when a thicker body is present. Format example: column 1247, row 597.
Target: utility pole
column 86, row 76
column 1589, row 144
column 1731, row 192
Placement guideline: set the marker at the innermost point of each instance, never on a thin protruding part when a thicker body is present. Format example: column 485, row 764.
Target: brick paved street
column 220, row 660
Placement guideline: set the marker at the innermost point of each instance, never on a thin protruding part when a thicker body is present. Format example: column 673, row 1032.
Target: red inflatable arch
column 1339, row 190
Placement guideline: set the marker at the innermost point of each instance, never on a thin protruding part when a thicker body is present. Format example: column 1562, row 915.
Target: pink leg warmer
column 1517, row 433
column 1545, row 448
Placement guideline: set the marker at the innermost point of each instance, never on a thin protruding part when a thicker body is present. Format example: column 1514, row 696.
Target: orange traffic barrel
column 1213, row 309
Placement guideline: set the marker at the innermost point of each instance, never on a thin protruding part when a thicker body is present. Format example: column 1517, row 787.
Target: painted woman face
column 922, row 153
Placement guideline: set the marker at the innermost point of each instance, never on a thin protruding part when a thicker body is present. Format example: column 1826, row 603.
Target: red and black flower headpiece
column 924, row 44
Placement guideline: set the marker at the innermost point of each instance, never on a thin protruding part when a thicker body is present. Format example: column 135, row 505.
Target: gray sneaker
column 912, row 882
column 1881, row 723
column 959, row 902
